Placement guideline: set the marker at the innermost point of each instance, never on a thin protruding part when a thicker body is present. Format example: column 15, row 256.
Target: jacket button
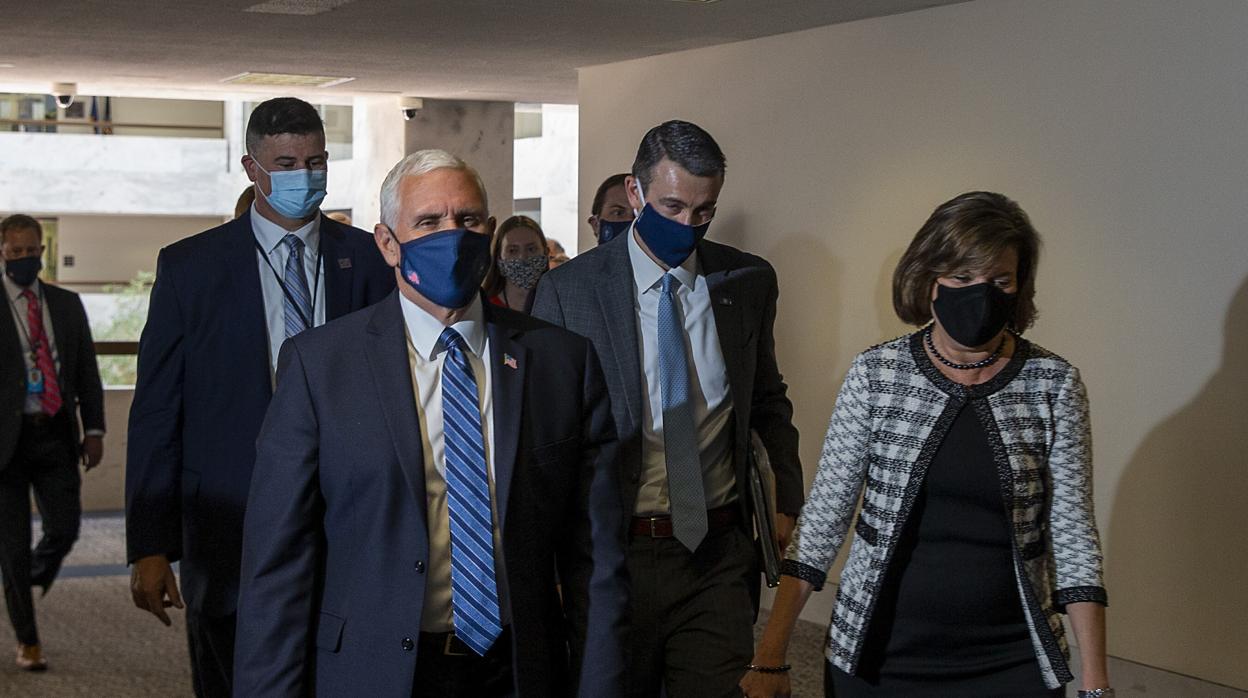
column 420, row 567
column 408, row 644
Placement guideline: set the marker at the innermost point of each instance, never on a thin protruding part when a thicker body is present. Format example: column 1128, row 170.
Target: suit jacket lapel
column 339, row 261
column 386, row 355
column 510, row 362
column 253, row 329
column 616, row 298
column 63, row 334
column 726, row 307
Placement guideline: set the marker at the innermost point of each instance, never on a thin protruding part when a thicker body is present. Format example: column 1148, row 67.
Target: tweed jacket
column 893, row 411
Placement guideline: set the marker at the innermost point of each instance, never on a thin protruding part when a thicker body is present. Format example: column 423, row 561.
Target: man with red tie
column 48, row 374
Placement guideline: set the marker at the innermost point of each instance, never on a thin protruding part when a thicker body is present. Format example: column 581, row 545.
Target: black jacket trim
column 793, row 568
column 1061, row 597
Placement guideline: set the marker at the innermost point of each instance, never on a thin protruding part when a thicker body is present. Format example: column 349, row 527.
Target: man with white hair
column 431, row 469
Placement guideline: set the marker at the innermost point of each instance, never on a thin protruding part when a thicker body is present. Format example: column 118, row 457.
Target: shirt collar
column 647, row 273
column 425, row 330
column 270, row 234
column 14, row 291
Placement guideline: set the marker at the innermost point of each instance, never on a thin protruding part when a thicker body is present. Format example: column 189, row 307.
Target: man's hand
column 784, row 530
column 92, row 450
column 154, row 586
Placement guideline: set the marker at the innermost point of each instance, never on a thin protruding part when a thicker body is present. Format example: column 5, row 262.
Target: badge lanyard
column 35, row 376
column 316, row 283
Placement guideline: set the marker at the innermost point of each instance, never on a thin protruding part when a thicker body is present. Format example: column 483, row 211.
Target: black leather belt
column 451, row 646
column 718, row 518
column 40, row 421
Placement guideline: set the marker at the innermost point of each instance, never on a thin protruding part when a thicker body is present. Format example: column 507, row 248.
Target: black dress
column 949, row 620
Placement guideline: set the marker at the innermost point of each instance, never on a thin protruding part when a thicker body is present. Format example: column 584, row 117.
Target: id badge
column 34, row 382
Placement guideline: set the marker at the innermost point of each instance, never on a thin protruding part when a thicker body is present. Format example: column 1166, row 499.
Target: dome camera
column 64, row 93
column 410, row 106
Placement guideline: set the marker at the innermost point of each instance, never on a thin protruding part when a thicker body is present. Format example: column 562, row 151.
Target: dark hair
column 970, row 231
column 615, row 180
column 20, row 221
column 494, row 281
column 683, row 143
column 281, row 115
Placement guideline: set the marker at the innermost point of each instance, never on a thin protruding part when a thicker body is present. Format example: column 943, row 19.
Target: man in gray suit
column 683, row 327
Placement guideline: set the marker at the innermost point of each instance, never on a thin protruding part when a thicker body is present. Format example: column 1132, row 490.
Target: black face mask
column 973, row 315
column 23, row 271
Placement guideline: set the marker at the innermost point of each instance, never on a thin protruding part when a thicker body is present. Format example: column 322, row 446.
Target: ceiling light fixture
column 297, row 7
column 286, row 80
column 7, row 65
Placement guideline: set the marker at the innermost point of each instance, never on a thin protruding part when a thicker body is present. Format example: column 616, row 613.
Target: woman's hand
column 756, row 684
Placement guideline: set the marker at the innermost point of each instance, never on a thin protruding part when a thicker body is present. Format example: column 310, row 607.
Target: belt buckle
column 450, row 641
column 653, row 532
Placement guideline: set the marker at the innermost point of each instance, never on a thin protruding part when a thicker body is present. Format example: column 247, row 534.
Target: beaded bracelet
column 783, row 668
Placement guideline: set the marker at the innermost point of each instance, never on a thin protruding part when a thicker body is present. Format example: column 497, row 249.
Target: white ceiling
column 512, row 50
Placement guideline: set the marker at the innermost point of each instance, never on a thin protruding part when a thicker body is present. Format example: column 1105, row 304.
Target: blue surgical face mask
column 446, row 267
column 294, row 193
column 609, row 230
column 671, row 241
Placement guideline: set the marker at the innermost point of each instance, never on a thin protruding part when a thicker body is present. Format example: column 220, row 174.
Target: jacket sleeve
column 825, row 518
column 591, row 557
column 87, row 382
column 1073, row 537
column 281, row 543
column 771, row 413
column 154, row 442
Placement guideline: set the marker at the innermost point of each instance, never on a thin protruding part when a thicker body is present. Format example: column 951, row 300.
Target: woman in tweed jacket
column 970, row 449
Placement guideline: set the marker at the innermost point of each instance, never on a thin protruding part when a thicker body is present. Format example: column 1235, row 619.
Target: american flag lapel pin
column 344, row 263
column 510, row 361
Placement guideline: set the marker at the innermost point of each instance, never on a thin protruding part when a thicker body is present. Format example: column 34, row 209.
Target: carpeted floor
column 98, row 644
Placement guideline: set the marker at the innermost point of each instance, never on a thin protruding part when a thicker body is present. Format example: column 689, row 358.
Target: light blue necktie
column 298, row 299
column 474, row 596
column 680, row 437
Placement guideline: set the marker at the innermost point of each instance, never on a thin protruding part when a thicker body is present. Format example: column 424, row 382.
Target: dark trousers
column 463, row 673
column 46, row 461
column 210, row 640
column 692, row 615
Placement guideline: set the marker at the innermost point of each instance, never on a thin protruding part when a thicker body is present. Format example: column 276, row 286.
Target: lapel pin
column 725, row 301
column 510, row 361
column 344, row 263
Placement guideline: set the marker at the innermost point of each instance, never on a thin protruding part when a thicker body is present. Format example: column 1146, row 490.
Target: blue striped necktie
column 298, row 298
column 680, row 436
column 474, row 595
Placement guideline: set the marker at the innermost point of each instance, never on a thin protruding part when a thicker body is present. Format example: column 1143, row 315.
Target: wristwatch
column 1097, row 693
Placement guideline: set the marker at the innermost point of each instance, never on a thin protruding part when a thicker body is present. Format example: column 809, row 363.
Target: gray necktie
column 680, row 437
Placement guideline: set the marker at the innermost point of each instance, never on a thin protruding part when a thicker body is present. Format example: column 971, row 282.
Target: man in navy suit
column 223, row 303
column 48, row 374
column 434, row 509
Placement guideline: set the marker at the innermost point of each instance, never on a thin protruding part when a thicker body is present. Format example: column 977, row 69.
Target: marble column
column 482, row 133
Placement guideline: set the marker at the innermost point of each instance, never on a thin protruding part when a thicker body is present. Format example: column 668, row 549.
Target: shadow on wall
column 1177, row 534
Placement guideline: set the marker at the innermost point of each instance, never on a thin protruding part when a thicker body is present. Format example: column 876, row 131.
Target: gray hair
column 419, row 163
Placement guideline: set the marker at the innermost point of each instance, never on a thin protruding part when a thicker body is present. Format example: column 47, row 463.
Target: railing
column 106, row 125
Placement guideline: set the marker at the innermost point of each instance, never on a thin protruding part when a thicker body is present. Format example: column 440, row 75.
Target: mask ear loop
column 640, row 195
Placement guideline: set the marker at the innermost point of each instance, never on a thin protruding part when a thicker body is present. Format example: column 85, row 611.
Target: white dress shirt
column 427, row 356
column 712, row 403
column 269, row 235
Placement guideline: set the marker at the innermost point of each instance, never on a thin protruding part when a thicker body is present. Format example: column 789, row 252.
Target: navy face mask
column 23, row 271
column 974, row 314
column 609, row 230
column 671, row 241
column 447, row 266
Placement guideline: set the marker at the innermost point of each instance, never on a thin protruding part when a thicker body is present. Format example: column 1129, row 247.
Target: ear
column 387, row 244
column 491, row 224
column 630, row 188
column 593, row 223
column 249, row 166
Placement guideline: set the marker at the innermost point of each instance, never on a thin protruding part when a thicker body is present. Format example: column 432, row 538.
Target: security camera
column 410, row 106
column 64, row 93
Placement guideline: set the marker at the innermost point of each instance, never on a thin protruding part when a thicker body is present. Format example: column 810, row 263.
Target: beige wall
column 115, row 248
column 1122, row 128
